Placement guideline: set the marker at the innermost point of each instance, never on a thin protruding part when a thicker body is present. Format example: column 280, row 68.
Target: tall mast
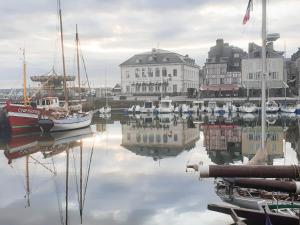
column 105, row 89
column 27, row 182
column 67, row 186
column 264, row 73
column 63, row 54
column 24, row 79
column 81, row 205
column 78, row 66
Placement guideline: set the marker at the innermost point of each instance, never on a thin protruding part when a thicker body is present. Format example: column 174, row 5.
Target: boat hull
column 22, row 119
column 71, row 124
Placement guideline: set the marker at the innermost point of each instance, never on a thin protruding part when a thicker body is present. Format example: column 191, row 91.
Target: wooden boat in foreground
column 255, row 216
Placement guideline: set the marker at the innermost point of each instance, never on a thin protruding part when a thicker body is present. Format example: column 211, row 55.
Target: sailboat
column 63, row 122
column 105, row 109
column 23, row 118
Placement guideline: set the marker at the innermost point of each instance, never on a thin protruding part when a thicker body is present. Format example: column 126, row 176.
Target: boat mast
column 63, row 53
column 81, row 205
column 27, row 182
column 264, row 72
column 67, row 186
column 106, row 103
column 24, row 80
column 78, row 66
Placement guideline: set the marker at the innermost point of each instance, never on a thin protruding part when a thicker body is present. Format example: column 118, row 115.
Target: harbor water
column 131, row 170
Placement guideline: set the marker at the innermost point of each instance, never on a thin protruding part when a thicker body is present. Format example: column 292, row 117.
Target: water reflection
column 120, row 182
column 159, row 137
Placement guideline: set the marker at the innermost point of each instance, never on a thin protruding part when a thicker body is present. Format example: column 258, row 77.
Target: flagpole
column 264, row 72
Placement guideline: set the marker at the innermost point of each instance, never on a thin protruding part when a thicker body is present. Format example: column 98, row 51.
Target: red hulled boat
column 22, row 118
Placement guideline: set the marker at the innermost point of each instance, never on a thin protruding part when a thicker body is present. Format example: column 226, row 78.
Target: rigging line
column 84, row 66
column 42, row 164
column 21, row 181
column 57, row 193
column 88, row 173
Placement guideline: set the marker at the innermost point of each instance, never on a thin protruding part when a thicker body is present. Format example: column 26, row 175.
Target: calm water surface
column 131, row 170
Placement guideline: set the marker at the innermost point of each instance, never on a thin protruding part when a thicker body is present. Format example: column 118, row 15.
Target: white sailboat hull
column 288, row 109
column 248, row 109
column 71, row 123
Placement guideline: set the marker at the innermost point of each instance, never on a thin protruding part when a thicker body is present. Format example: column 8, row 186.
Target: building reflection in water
column 223, row 142
column 159, row 137
column 251, row 142
column 229, row 143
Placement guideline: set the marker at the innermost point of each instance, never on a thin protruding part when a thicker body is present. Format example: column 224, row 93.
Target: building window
column 174, row 72
column 138, row 88
column 158, row 138
column 273, row 75
column 175, row 137
column 143, row 72
column 150, row 72
column 164, row 88
column 137, row 72
column 127, row 74
column 128, row 137
column 236, row 55
column 250, row 76
column 164, row 71
column 127, row 88
column 175, row 88
column 150, row 58
column 151, row 88
column 236, row 64
column 157, row 72
column 157, row 88
column 144, row 88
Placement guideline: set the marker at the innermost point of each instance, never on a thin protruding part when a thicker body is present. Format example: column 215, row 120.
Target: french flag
column 247, row 15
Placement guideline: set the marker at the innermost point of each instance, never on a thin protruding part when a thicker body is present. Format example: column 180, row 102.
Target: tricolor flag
column 247, row 15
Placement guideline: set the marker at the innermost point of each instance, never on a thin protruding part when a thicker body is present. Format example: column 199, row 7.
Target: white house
column 252, row 68
column 157, row 72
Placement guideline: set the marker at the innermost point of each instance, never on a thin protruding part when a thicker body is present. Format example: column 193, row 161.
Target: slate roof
column 159, row 56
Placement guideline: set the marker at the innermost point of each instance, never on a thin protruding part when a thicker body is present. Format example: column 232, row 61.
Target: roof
column 159, row 56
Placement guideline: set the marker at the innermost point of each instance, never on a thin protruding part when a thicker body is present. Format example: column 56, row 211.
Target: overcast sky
column 112, row 31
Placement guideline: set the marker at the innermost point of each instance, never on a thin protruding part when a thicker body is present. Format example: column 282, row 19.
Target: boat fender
column 297, row 188
column 204, row 171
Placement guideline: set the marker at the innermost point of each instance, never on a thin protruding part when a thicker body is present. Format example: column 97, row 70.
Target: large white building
column 252, row 69
column 159, row 72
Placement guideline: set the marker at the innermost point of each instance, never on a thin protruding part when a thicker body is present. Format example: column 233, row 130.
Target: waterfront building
column 293, row 72
column 252, row 67
column 222, row 70
column 159, row 72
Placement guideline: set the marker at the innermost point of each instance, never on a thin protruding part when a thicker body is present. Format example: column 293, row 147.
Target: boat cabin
column 166, row 103
column 48, row 102
column 148, row 105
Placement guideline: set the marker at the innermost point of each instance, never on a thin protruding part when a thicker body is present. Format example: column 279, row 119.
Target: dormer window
column 150, row 58
column 165, row 59
column 138, row 60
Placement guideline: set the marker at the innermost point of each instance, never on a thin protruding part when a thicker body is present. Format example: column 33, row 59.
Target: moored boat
column 248, row 107
column 165, row 106
column 148, row 107
column 272, row 107
column 70, row 122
